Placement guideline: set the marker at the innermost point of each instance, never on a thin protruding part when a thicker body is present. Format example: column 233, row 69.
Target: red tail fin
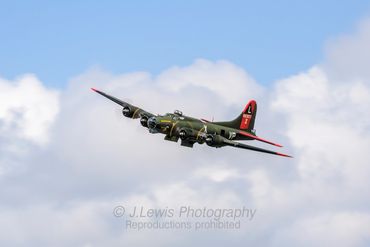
column 248, row 116
column 245, row 121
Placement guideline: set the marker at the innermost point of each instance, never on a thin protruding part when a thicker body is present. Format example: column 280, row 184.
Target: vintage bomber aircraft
column 191, row 130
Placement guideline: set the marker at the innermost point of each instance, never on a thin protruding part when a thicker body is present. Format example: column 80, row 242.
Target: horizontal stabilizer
column 258, row 138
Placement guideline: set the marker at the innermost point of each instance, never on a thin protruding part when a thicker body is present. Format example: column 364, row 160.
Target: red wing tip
column 95, row 90
column 285, row 155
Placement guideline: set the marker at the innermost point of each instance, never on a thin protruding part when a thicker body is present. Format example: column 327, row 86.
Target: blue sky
column 57, row 40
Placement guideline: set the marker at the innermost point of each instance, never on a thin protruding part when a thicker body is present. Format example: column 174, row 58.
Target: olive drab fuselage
column 173, row 124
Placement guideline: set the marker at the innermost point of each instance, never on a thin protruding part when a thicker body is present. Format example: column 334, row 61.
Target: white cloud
column 27, row 109
column 327, row 229
column 326, row 124
column 223, row 78
column 216, row 173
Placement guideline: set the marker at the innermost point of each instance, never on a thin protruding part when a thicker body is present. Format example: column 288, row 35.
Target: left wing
column 128, row 109
column 244, row 146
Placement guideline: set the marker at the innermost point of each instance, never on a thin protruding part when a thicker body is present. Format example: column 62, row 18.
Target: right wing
column 128, row 109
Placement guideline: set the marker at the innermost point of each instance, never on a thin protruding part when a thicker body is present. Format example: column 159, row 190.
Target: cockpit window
column 178, row 113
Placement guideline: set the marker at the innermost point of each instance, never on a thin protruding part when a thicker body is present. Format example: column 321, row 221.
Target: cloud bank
column 69, row 157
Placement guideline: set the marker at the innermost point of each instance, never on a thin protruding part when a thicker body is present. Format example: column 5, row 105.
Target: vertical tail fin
column 245, row 121
column 248, row 116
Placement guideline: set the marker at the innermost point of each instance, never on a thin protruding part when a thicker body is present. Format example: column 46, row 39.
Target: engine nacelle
column 215, row 140
column 144, row 121
column 126, row 111
column 186, row 133
column 192, row 135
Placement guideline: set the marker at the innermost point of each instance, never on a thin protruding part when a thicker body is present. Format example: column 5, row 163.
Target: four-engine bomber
column 190, row 130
